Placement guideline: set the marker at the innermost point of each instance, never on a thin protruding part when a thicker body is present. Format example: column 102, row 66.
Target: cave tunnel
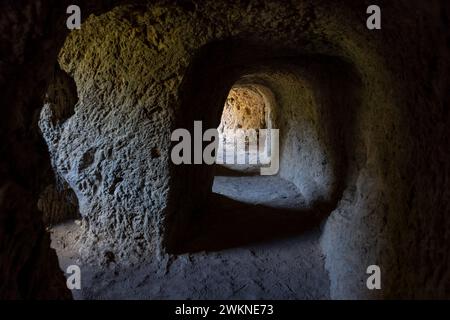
column 361, row 150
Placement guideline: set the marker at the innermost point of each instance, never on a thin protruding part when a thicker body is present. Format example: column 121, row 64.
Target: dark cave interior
column 361, row 150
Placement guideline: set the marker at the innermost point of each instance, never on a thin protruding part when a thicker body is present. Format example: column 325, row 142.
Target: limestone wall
column 142, row 71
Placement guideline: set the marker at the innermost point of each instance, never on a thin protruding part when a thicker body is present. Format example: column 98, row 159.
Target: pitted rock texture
column 146, row 69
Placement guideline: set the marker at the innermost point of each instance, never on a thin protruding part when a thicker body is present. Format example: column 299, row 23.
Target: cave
column 331, row 150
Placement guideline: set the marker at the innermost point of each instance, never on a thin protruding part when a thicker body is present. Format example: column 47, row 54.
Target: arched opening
column 243, row 130
column 315, row 123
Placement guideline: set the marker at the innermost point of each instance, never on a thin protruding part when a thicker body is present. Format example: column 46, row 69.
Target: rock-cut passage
column 286, row 268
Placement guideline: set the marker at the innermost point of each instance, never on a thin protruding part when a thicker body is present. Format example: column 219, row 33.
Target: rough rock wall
column 114, row 150
column 58, row 201
column 370, row 224
column 32, row 32
column 392, row 211
column 377, row 220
